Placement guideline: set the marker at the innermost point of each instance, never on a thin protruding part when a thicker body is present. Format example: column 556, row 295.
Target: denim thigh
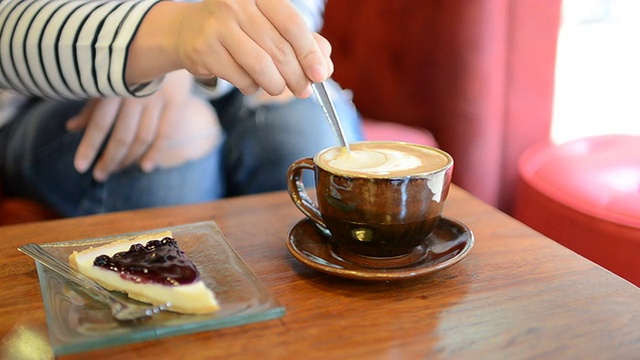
column 36, row 161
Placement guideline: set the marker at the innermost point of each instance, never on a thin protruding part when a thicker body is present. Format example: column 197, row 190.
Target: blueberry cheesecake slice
column 150, row 268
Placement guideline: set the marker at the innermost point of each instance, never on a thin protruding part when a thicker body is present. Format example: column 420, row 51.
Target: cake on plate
column 150, row 268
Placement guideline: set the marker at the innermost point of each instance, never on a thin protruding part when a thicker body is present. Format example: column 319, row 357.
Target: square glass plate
column 76, row 322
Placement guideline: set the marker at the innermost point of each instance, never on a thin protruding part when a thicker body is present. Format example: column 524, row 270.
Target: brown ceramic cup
column 372, row 208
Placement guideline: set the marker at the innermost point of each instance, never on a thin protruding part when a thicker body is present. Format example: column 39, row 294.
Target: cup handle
column 299, row 193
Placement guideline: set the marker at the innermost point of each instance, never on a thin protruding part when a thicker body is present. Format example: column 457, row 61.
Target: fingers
column 111, row 138
column 293, row 28
column 145, row 135
column 178, row 141
column 254, row 44
column 278, row 54
column 78, row 122
column 120, row 141
column 119, row 131
column 97, row 129
column 236, row 74
column 257, row 63
column 325, row 48
column 210, row 42
column 149, row 157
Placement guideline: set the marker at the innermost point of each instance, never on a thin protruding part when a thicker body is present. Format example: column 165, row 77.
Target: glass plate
column 76, row 322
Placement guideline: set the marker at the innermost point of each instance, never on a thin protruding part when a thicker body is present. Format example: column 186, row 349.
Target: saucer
column 449, row 243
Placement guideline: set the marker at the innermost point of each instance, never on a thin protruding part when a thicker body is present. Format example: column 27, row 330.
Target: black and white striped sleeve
column 69, row 48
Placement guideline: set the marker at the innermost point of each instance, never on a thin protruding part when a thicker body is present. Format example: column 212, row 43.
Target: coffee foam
column 383, row 159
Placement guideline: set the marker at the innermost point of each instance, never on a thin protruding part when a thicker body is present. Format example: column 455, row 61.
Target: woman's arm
column 69, row 48
column 77, row 48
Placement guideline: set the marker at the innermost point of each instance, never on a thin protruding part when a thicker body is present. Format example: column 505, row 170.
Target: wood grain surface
column 518, row 295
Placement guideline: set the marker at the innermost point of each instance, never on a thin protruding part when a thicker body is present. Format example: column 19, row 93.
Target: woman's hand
column 165, row 129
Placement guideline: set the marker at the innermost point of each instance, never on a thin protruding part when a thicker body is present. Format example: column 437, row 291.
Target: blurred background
column 597, row 70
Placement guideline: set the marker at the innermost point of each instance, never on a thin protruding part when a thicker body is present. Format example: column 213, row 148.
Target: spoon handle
column 320, row 90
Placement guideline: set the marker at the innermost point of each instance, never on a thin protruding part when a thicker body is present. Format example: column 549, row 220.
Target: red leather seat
column 15, row 210
column 586, row 195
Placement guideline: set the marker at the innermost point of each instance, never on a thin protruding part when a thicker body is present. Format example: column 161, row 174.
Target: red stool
column 586, row 196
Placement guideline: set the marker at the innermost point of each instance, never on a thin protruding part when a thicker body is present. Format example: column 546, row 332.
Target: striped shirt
column 68, row 48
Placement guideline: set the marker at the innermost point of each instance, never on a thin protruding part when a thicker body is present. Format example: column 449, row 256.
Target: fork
column 121, row 310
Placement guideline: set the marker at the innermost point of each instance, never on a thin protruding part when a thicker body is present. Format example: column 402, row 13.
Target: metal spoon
column 320, row 90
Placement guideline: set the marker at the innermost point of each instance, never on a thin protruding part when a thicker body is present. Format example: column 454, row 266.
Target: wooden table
column 517, row 295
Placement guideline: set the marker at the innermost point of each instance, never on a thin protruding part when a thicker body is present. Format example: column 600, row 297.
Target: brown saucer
column 449, row 243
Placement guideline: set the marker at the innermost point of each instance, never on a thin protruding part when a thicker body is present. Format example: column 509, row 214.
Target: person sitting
column 118, row 105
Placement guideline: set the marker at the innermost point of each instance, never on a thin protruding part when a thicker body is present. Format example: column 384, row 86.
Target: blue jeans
column 36, row 156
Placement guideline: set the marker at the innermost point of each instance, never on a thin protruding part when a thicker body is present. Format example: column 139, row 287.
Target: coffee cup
column 379, row 199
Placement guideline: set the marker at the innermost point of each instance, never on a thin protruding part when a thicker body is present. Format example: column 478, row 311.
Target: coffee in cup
column 379, row 199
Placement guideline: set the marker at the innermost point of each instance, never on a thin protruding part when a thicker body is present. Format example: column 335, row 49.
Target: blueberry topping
column 159, row 261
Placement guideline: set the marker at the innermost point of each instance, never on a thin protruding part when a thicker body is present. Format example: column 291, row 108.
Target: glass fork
column 121, row 310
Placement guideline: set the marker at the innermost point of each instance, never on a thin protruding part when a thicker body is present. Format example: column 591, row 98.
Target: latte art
column 382, row 159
